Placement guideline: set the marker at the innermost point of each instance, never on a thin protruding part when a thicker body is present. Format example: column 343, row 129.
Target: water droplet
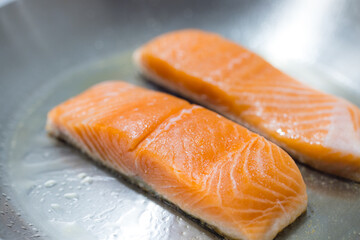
column 81, row 175
column 71, row 195
column 87, row 180
column 280, row 132
column 50, row 183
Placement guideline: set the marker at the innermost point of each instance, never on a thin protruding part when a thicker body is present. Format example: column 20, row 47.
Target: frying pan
column 51, row 50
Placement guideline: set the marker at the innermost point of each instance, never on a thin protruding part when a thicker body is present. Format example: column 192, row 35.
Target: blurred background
column 53, row 49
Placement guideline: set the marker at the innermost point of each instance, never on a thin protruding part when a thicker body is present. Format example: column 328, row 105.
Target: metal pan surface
column 51, row 50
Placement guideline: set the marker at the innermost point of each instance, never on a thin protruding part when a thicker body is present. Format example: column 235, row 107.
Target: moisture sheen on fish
column 236, row 181
column 318, row 129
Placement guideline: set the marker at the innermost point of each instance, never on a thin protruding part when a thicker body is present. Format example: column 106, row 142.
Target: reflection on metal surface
column 300, row 28
column 4, row 2
column 50, row 191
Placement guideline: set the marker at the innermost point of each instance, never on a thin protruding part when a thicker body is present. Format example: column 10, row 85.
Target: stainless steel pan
column 51, row 50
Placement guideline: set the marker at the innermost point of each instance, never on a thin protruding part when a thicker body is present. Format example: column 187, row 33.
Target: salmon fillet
column 318, row 129
column 236, row 181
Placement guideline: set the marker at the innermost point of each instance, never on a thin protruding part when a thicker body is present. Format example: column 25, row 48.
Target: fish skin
column 318, row 129
column 210, row 167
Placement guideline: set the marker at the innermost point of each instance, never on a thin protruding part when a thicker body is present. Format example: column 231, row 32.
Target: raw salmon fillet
column 318, row 129
column 212, row 168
